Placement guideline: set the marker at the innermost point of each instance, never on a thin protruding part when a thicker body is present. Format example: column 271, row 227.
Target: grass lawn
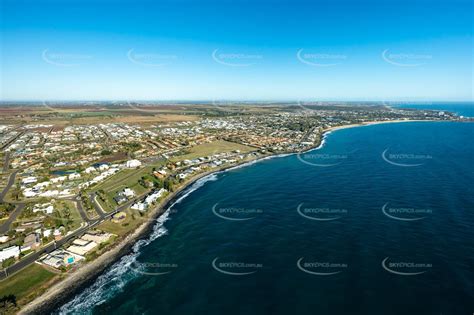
column 75, row 217
column 207, row 149
column 115, row 180
column 29, row 282
column 110, row 204
column 124, row 226
column 65, row 211
column 127, row 178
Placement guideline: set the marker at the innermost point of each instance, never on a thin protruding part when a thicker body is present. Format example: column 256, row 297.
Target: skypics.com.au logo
column 236, row 59
column 321, row 214
column 320, row 268
column 405, row 159
column 403, row 268
column 405, row 213
column 320, row 59
column 235, row 213
column 234, row 268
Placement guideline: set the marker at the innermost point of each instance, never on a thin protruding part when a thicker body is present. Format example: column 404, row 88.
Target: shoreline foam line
column 68, row 287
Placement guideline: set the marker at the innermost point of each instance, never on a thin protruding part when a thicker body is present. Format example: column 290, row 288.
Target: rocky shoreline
column 63, row 290
column 68, row 287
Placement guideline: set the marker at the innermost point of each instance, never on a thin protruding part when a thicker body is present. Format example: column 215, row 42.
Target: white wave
column 118, row 275
column 241, row 165
column 196, row 185
column 323, row 142
column 256, row 161
column 114, row 279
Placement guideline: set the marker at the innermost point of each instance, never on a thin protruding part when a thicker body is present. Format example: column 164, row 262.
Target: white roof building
column 29, row 180
column 28, row 193
column 148, row 200
column 97, row 238
column 74, row 176
column 103, row 167
column 45, row 207
column 82, row 249
column 13, row 251
column 141, row 206
column 128, row 192
column 133, row 163
column 90, row 170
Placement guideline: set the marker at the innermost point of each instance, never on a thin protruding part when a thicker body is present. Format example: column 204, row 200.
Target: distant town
column 77, row 179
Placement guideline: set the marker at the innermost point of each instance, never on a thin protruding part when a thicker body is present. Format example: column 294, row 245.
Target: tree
column 16, row 193
column 8, row 262
column 7, row 303
column 168, row 185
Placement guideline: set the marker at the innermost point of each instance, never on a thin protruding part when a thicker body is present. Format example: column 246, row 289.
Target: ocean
column 465, row 109
column 379, row 220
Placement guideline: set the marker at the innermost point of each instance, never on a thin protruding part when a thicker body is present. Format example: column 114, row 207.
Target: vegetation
column 5, row 209
column 8, row 304
column 131, row 146
column 8, row 262
column 130, row 223
column 65, row 214
column 211, row 148
column 23, row 286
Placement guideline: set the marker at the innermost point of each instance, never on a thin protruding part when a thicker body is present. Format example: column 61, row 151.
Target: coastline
column 61, row 291
column 67, row 287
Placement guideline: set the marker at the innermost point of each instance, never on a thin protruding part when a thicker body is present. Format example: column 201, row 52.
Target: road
column 27, row 260
column 10, row 141
column 97, row 207
column 90, row 223
column 31, row 258
column 306, row 136
column 6, row 163
column 5, row 227
column 81, row 210
column 11, row 181
column 18, row 207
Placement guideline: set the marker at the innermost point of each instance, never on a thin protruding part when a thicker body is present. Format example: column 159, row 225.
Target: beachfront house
column 151, row 198
column 60, row 258
column 13, row 251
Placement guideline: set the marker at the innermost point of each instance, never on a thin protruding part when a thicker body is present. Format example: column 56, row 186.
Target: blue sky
column 237, row 50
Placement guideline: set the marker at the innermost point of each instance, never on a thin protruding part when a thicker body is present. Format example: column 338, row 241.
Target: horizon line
column 243, row 101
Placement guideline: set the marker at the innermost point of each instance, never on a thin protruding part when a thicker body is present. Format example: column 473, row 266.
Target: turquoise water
column 377, row 221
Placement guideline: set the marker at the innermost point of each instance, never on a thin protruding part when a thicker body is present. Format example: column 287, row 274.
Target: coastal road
column 31, row 258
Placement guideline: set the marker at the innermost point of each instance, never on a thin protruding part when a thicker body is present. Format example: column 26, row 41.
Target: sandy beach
column 370, row 123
